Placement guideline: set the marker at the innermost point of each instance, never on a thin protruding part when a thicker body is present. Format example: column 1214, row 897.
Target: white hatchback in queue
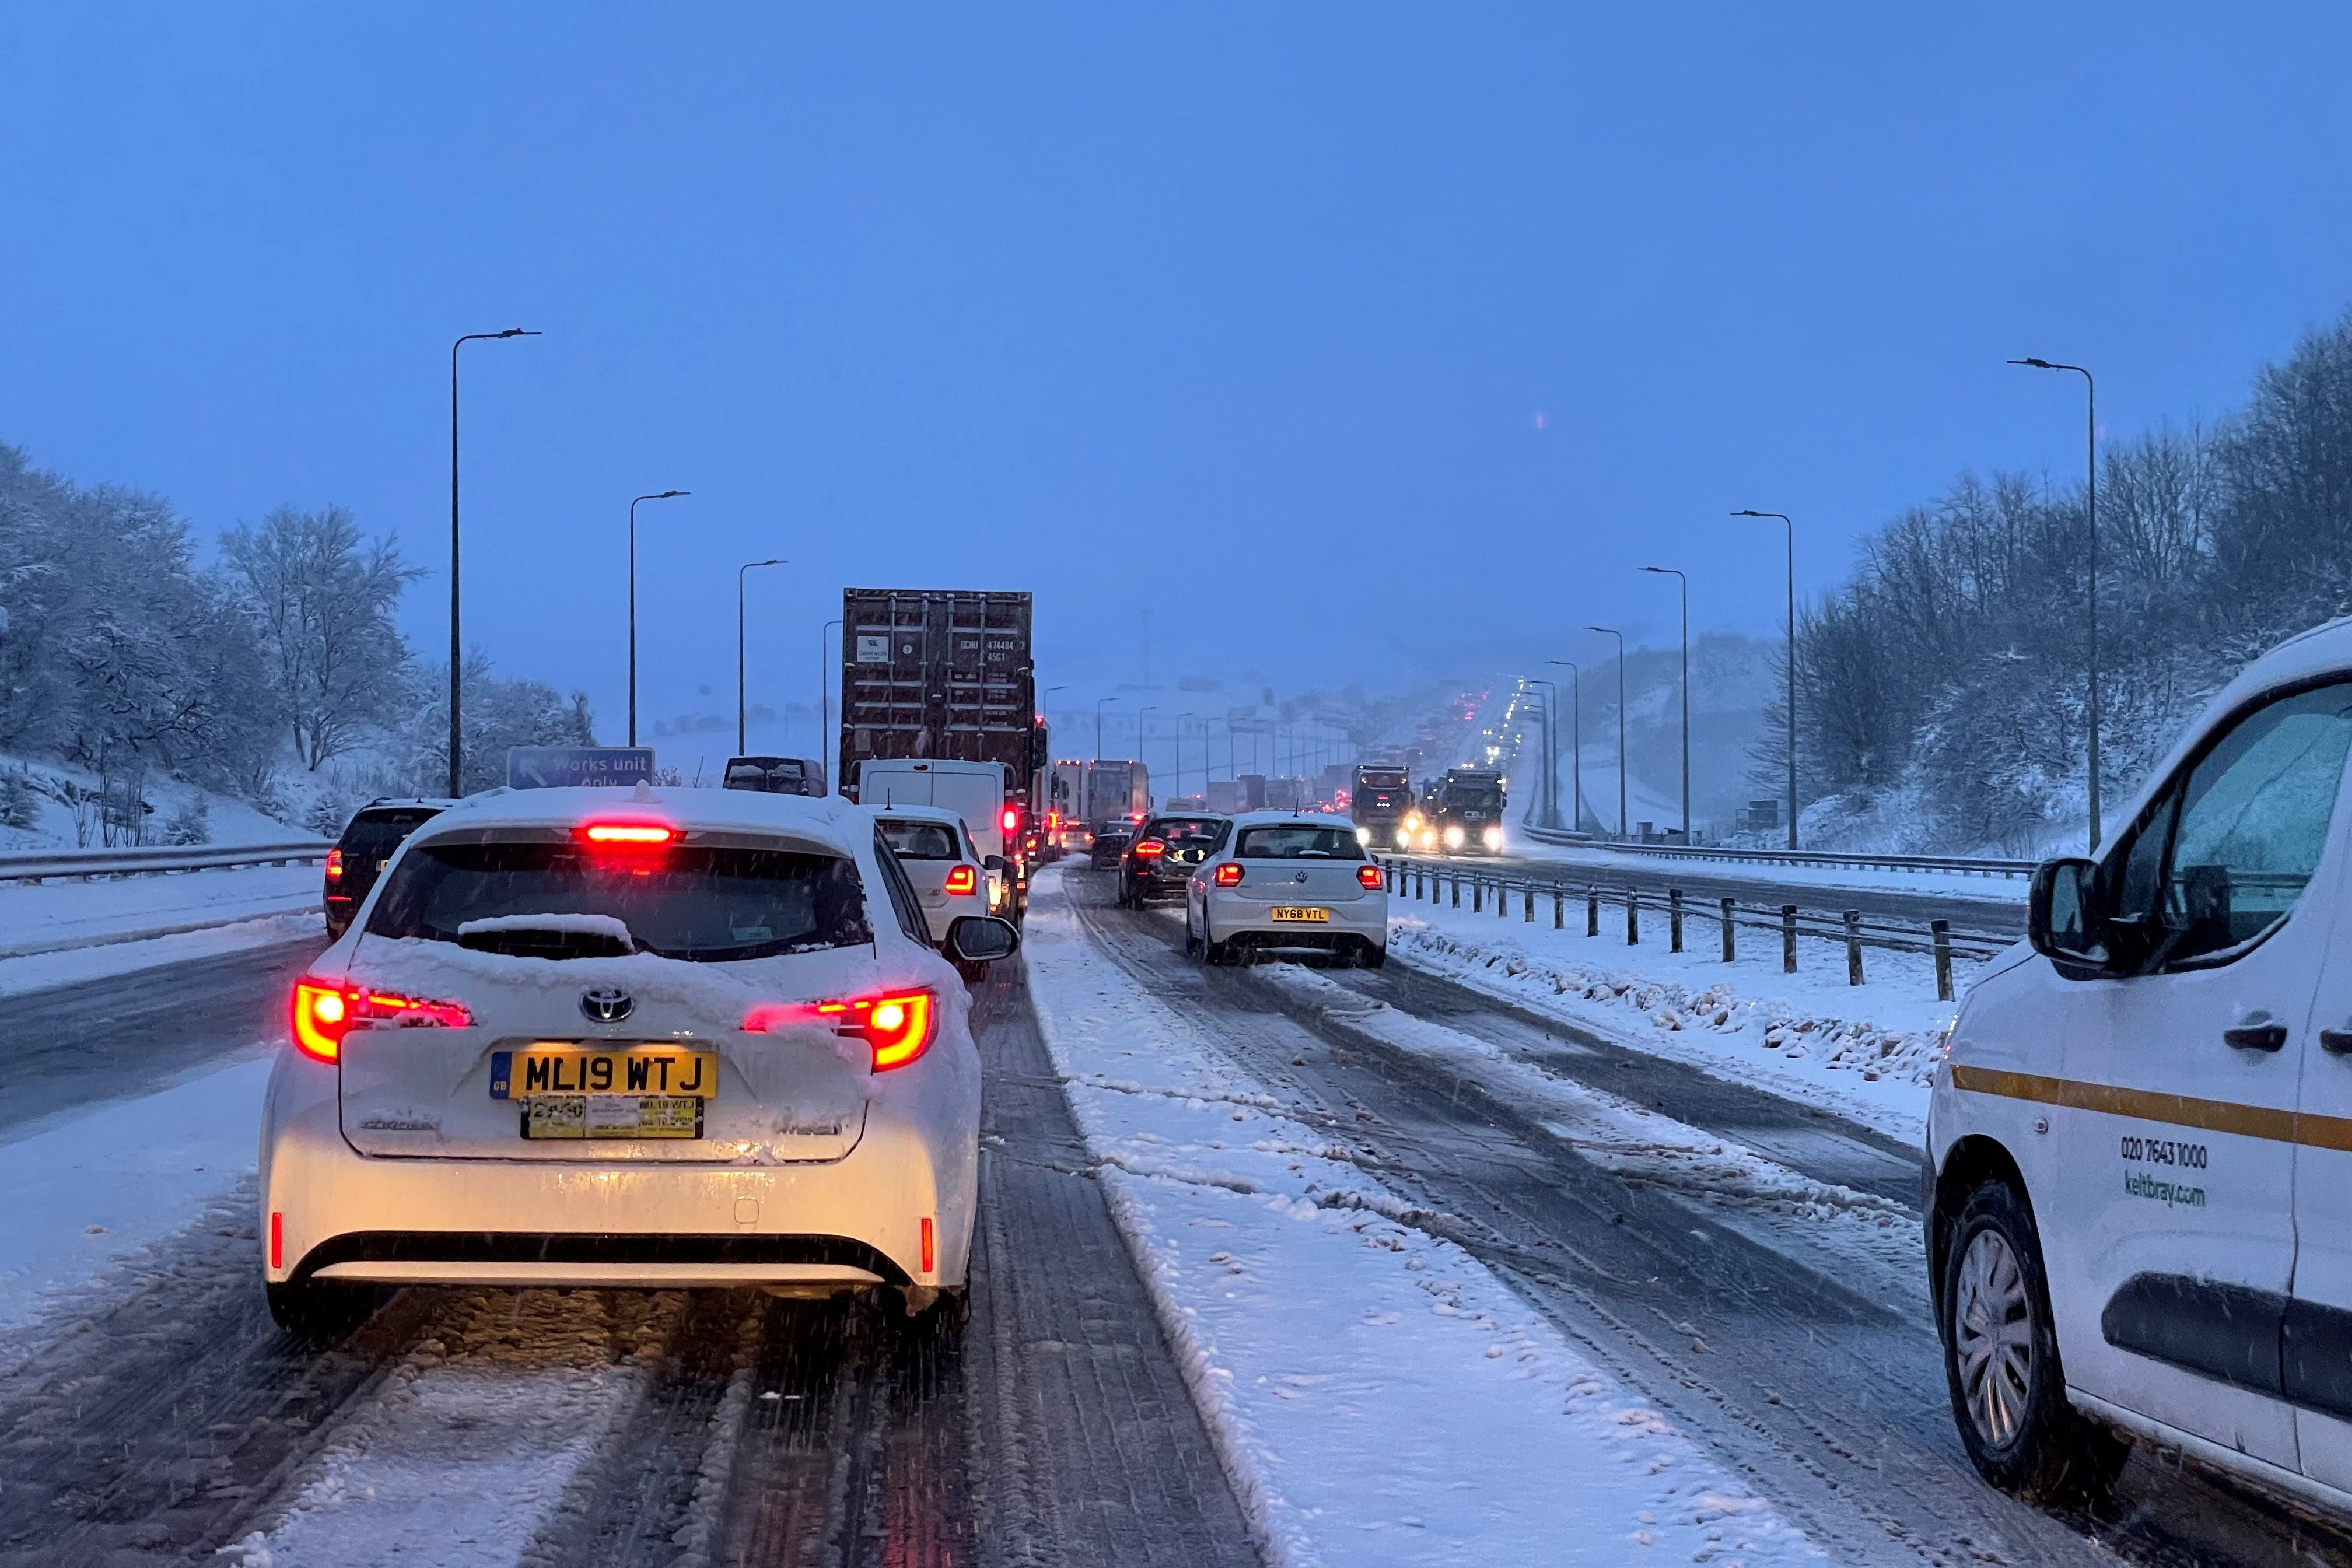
column 2139, row 1143
column 660, row 1038
column 1282, row 881
column 936, row 851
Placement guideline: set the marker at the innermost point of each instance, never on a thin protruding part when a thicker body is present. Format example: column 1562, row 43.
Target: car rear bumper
column 1365, row 919
column 331, row 1212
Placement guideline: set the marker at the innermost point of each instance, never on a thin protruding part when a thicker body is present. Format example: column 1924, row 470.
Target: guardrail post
column 1633, row 917
column 1726, row 930
column 1593, row 912
column 1854, row 947
column 1530, row 917
column 1478, row 891
column 1674, row 919
column 1502, row 900
column 1942, row 931
column 1457, row 888
column 1558, row 908
column 1787, row 939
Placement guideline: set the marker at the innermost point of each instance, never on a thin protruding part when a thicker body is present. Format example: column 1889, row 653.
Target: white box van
column 2140, row 1140
column 973, row 791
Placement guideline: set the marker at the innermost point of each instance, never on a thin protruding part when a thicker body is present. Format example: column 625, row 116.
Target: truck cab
column 1377, row 803
column 1464, row 810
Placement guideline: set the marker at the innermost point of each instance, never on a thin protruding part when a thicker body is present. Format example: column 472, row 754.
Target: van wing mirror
column 2065, row 920
column 983, row 939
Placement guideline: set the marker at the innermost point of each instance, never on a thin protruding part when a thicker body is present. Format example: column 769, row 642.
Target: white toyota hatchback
column 656, row 1038
column 1281, row 880
column 949, row 877
column 2139, row 1145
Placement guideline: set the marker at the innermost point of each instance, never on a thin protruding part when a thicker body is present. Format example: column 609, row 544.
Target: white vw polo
column 656, row 1038
column 1286, row 880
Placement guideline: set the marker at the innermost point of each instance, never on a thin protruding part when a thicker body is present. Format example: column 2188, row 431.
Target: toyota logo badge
column 607, row 1004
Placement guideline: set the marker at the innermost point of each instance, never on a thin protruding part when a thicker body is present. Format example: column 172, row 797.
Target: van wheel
column 2000, row 1359
column 318, row 1312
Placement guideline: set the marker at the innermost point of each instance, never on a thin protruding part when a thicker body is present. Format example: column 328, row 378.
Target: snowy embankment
column 60, row 933
column 1864, row 1051
column 1377, row 1396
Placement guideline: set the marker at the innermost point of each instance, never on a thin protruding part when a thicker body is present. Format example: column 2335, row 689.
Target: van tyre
column 317, row 1311
column 2001, row 1359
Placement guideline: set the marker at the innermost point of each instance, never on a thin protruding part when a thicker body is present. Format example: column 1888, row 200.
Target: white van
column 973, row 791
column 2139, row 1143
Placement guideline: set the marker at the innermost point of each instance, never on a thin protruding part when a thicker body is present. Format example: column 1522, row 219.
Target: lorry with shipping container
column 943, row 675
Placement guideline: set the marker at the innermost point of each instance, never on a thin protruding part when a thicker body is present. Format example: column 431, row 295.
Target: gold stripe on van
column 2174, row 1109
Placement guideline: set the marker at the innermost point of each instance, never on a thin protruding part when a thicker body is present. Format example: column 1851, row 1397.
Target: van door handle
column 2335, row 1042
column 2258, row 1036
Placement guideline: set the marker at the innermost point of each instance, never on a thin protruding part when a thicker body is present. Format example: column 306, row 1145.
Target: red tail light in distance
column 1149, row 850
column 335, row 864
column 962, row 881
column 1228, row 875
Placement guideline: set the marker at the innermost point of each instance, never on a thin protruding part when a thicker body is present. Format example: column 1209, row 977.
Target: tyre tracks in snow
column 1812, row 1365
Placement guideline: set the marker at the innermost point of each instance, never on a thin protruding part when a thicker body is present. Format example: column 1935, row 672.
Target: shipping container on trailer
column 937, row 673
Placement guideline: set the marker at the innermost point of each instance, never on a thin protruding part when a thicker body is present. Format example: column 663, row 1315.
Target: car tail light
column 324, row 1013
column 1228, row 875
column 929, row 1258
column 1053, row 819
column 1011, row 820
column 962, row 881
column 898, row 1025
column 628, row 833
column 1370, row 876
column 1150, row 849
column 278, row 1238
column 335, row 864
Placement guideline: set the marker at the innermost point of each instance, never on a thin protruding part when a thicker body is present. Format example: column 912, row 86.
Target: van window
column 2224, row 856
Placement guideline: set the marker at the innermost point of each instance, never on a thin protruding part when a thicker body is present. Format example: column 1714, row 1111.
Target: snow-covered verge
column 56, row 914
column 1866, row 1051
column 1377, row 1396
column 89, row 1192
column 183, row 813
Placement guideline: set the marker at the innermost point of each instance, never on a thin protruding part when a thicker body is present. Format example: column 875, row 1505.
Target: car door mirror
column 993, row 862
column 982, row 939
column 2063, row 919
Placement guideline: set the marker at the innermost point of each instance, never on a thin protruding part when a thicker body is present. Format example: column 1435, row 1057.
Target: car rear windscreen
column 1299, row 843
column 922, row 840
column 708, row 905
column 1172, row 827
column 374, row 835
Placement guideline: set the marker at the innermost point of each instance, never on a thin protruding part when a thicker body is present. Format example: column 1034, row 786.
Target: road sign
column 556, row 767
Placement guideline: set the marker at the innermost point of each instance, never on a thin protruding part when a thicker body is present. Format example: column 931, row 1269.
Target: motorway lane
column 1054, row 1427
column 1805, row 1364
column 131, row 1034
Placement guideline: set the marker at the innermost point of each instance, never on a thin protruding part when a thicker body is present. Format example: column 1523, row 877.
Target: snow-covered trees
column 1952, row 663
column 322, row 597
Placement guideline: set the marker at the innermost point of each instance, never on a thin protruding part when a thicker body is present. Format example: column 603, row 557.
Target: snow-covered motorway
column 1656, row 1310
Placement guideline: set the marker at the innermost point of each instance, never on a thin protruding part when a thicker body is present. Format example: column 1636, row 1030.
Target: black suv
column 1166, row 853
column 360, row 856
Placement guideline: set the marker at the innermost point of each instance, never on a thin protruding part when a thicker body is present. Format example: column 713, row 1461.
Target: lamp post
column 2090, row 501
column 740, row 747
column 824, row 679
column 664, row 495
column 1551, row 748
column 1671, row 572
column 1575, row 741
column 1611, row 631
column 1098, row 707
column 1792, row 659
column 457, row 648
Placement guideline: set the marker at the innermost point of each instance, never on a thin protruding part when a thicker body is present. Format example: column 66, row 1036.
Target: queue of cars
column 1261, row 883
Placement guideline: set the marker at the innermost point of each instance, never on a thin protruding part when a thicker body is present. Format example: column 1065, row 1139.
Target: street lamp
column 1613, row 632
column 1098, row 707
column 824, row 679
column 1792, row 652
column 2091, row 499
column 1551, row 748
column 1671, row 572
column 740, row 747
column 1575, row 740
column 664, row 495
column 457, row 649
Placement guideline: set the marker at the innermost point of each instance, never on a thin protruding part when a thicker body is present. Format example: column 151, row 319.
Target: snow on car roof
column 923, row 813
column 828, row 820
column 1295, row 819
